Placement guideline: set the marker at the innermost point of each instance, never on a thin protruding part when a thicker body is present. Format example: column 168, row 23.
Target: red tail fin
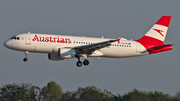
column 153, row 40
column 158, row 32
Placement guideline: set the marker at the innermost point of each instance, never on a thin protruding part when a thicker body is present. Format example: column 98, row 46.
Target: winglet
column 118, row 40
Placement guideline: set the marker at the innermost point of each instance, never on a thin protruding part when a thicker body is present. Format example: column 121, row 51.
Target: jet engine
column 61, row 53
column 54, row 57
column 66, row 53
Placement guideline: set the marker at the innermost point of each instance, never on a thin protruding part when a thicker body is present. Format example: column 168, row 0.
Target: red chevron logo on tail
column 159, row 31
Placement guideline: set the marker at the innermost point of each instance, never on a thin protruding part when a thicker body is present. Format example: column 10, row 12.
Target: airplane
column 60, row 47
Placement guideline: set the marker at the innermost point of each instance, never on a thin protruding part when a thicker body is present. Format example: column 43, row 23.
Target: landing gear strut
column 85, row 62
column 26, row 54
column 79, row 63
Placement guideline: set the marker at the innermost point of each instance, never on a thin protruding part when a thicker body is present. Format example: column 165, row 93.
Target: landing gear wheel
column 25, row 59
column 79, row 63
column 26, row 55
column 86, row 62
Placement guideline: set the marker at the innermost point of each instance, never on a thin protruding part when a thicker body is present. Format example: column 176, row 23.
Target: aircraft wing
column 88, row 49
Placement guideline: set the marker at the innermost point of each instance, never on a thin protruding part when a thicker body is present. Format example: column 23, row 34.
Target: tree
column 68, row 96
column 51, row 92
column 90, row 93
column 178, row 94
column 14, row 92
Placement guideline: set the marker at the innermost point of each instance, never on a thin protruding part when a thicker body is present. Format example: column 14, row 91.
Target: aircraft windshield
column 16, row 38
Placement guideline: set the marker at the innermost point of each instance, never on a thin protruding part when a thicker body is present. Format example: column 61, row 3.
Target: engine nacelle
column 54, row 57
column 66, row 53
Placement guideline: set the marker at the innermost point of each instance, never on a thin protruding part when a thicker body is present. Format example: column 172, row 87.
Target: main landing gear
column 26, row 54
column 85, row 62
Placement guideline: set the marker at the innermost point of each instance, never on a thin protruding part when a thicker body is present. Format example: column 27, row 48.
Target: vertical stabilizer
column 158, row 32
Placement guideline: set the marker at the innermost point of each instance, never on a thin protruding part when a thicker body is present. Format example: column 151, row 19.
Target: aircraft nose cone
column 6, row 43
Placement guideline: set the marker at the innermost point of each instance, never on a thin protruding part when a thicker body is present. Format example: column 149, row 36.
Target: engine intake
column 54, row 57
column 66, row 53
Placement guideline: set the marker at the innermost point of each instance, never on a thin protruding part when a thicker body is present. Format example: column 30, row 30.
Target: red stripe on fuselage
column 149, row 42
column 147, row 39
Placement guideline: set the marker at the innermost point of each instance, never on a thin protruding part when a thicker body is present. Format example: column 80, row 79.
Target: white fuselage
column 60, row 47
column 44, row 43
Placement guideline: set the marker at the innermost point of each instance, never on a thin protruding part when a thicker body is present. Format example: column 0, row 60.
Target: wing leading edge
column 88, row 49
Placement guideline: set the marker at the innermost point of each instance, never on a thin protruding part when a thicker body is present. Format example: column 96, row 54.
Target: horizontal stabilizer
column 160, row 48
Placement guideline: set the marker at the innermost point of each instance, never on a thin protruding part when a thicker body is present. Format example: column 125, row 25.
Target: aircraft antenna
column 29, row 32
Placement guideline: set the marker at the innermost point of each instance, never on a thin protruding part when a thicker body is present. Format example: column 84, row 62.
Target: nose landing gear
column 26, row 55
column 25, row 59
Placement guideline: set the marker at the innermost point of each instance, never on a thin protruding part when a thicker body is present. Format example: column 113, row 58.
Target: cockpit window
column 12, row 37
column 16, row 38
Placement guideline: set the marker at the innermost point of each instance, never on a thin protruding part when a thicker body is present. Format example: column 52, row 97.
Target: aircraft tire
column 79, row 63
column 25, row 59
column 86, row 62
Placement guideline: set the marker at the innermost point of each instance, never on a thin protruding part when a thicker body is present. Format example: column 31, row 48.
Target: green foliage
column 89, row 93
column 14, row 92
column 136, row 95
column 51, row 92
column 68, row 96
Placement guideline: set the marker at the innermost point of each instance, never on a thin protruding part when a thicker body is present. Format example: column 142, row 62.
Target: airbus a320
column 60, row 47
